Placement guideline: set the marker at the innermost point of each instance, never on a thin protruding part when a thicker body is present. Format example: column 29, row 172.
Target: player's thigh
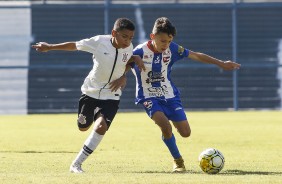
column 106, row 109
column 183, row 128
column 154, row 110
column 162, row 121
column 159, row 117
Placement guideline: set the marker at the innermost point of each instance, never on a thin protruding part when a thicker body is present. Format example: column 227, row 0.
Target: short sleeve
column 139, row 52
column 178, row 51
column 88, row 44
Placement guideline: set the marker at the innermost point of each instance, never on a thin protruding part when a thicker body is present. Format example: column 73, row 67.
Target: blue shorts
column 173, row 109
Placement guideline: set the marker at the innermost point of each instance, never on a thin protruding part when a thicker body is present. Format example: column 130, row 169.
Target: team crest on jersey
column 124, row 57
column 148, row 104
column 180, row 50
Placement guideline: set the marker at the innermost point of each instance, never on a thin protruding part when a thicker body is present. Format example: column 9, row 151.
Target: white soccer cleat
column 76, row 168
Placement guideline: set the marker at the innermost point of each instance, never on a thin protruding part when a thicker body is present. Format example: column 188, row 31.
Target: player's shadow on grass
column 240, row 172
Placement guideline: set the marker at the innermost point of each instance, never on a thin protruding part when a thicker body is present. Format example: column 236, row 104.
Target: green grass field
column 39, row 149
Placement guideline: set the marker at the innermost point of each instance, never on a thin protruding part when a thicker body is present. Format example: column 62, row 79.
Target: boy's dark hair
column 163, row 25
column 124, row 23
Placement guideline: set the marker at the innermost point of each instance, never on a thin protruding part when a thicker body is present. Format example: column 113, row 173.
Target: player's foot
column 76, row 168
column 178, row 165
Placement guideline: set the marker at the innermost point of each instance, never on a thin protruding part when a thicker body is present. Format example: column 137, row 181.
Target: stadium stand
column 202, row 87
column 54, row 78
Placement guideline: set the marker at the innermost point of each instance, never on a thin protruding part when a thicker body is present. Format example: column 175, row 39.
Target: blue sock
column 171, row 144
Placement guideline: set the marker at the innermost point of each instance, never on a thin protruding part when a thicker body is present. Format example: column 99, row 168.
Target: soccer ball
column 211, row 161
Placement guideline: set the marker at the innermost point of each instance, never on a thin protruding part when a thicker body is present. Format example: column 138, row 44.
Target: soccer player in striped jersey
column 155, row 90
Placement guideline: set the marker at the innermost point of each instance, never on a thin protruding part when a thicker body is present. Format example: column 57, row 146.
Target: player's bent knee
column 101, row 127
column 185, row 134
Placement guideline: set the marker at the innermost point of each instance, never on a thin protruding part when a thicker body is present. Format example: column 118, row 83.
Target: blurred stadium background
column 247, row 31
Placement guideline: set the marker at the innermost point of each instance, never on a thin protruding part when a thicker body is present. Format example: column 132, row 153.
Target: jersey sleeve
column 137, row 51
column 88, row 44
column 178, row 51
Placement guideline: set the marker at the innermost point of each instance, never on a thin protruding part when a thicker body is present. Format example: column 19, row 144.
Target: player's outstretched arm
column 45, row 47
column 226, row 65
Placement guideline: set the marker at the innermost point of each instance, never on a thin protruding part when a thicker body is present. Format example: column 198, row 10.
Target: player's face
column 123, row 38
column 161, row 41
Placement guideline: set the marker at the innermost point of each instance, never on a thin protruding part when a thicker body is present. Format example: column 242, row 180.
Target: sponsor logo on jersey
column 166, row 56
column 147, row 62
column 155, row 77
column 147, row 59
column 158, row 91
column 166, row 52
column 166, row 60
column 148, row 56
column 148, row 104
column 151, row 80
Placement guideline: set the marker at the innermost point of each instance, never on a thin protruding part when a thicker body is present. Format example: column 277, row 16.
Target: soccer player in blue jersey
column 155, row 90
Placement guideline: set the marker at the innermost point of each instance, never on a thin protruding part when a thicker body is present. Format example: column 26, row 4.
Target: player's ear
column 114, row 33
column 152, row 36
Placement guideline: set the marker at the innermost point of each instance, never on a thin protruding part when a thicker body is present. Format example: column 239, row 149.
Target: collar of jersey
column 151, row 47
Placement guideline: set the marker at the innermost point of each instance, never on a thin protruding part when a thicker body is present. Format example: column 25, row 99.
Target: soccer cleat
column 76, row 168
column 178, row 165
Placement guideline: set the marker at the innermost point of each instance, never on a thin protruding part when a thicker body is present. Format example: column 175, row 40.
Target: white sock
column 90, row 145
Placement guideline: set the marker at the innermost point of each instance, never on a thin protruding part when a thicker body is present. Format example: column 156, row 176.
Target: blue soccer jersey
column 155, row 82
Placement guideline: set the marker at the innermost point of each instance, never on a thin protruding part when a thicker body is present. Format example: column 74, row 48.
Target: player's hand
column 230, row 65
column 140, row 64
column 41, row 47
column 119, row 83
